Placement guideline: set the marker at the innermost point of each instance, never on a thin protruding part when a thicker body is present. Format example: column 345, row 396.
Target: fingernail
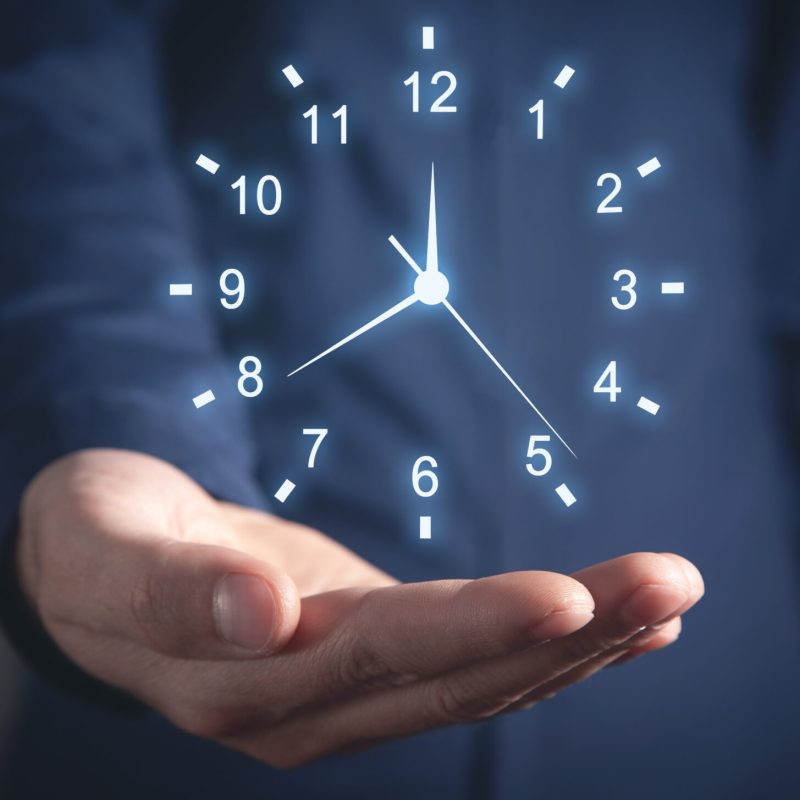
column 244, row 611
column 652, row 604
column 561, row 623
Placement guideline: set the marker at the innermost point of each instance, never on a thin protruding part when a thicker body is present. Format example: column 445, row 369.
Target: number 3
column 627, row 288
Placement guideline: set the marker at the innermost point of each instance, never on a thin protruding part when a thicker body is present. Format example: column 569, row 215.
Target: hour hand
column 403, row 304
column 432, row 264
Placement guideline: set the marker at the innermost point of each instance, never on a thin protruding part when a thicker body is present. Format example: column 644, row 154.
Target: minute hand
column 403, row 304
column 474, row 336
column 503, row 371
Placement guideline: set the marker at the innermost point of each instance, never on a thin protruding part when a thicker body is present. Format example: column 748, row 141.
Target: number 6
column 418, row 474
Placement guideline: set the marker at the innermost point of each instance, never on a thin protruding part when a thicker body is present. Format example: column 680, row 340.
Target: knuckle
column 362, row 661
column 456, row 701
column 364, row 666
column 145, row 603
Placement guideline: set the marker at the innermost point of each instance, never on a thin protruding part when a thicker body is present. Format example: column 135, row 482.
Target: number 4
column 320, row 433
column 612, row 389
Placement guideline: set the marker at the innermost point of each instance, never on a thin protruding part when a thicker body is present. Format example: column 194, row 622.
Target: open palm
column 273, row 639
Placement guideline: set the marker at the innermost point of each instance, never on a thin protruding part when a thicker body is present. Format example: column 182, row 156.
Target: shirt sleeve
column 778, row 278
column 94, row 225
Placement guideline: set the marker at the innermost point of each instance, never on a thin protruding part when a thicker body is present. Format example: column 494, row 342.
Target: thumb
column 202, row 601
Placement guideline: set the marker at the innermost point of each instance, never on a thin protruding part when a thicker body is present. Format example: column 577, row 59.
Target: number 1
column 538, row 109
column 342, row 113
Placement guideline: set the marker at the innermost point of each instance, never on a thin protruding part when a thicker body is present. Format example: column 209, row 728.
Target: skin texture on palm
column 275, row 640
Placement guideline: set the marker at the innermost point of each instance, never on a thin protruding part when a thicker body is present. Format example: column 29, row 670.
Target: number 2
column 604, row 207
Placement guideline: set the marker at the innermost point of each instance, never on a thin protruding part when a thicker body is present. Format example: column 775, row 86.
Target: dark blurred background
column 103, row 108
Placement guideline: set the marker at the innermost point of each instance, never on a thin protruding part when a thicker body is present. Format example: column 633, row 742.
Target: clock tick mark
column 648, row 405
column 424, row 527
column 206, row 163
column 204, row 399
column 292, row 75
column 566, row 495
column 287, row 487
column 649, row 167
column 564, row 76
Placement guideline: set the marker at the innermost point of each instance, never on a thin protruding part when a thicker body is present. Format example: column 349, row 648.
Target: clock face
column 436, row 262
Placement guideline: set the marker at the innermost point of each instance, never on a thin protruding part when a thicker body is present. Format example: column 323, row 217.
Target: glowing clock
column 434, row 92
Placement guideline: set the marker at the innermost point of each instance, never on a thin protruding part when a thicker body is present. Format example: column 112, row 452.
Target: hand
column 274, row 640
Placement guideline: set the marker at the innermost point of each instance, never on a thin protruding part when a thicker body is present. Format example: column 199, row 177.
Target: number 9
column 236, row 291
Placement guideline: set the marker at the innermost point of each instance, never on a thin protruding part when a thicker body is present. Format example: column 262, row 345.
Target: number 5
column 320, row 433
column 534, row 451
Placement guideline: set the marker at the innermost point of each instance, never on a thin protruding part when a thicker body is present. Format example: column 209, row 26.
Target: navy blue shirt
column 103, row 108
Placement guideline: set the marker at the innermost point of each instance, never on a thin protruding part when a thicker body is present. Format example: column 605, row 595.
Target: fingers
column 658, row 638
column 190, row 601
column 401, row 633
column 630, row 593
column 648, row 640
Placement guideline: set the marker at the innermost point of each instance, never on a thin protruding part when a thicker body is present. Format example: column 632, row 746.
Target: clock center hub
column 431, row 288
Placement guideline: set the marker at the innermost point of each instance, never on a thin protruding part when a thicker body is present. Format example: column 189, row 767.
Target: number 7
column 320, row 433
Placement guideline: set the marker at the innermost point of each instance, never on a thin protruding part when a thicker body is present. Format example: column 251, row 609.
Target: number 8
column 253, row 374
